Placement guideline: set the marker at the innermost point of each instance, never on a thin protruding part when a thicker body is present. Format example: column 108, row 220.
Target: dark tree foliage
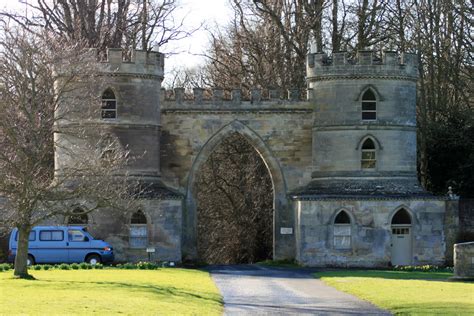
column 235, row 205
column 266, row 42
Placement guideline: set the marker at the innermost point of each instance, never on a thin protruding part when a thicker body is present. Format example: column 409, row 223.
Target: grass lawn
column 404, row 292
column 111, row 291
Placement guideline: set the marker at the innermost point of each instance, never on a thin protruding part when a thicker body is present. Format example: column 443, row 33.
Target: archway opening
column 234, row 194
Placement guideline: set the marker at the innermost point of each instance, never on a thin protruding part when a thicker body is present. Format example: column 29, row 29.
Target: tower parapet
column 322, row 67
column 139, row 63
column 235, row 99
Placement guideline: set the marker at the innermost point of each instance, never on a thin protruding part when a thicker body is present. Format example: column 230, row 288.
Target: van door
column 79, row 245
column 51, row 246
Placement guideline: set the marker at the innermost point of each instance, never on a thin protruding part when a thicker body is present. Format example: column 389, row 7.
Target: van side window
column 51, row 235
column 31, row 236
column 75, row 235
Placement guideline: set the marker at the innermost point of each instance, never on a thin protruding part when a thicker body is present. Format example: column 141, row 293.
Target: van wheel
column 30, row 260
column 93, row 259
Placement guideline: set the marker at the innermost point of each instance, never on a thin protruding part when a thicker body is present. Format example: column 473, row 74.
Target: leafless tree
column 235, row 205
column 35, row 84
column 143, row 24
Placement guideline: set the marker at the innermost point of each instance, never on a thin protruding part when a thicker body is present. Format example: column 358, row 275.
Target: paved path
column 256, row 290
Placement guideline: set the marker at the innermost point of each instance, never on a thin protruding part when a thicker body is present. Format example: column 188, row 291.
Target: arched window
column 368, row 159
column 109, row 105
column 342, row 231
column 78, row 217
column 369, row 106
column 138, row 230
column 402, row 217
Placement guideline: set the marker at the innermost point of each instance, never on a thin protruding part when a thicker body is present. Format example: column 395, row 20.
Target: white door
column 401, row 245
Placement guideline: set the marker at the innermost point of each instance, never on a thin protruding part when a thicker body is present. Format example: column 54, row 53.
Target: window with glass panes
column 342, row 231
column 138, row 230
column 368, row 159
column 109, row 105
column 369, row 106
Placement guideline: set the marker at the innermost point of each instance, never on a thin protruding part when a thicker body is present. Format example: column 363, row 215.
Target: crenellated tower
column 364, row 133
column 130, row 112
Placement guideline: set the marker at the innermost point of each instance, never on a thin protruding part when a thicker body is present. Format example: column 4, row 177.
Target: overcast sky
column 195, row 13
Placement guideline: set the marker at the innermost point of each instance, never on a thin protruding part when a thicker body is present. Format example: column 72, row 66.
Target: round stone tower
column 127, row 115
column 130, row 113
column 364, row 133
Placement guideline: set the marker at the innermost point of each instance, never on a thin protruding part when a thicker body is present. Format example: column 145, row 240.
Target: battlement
column 320, row 66
column 218, row 98
column 136, row 63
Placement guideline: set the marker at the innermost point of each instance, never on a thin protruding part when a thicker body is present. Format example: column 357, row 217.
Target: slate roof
column 156, row 190
column 362, row 189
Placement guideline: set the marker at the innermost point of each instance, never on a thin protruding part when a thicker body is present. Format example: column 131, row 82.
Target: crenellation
column 179, row 95
column 365, row 57
column 235, row 98
column 366, row 65
column 339, row 58
column 217, row 96
column 137, row 62
column 256, row 96
column 236, row 95
column 198, row 95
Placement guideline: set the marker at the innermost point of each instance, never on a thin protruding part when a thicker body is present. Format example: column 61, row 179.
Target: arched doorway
column 234, row 205
column 401, row 228
column 283, row 244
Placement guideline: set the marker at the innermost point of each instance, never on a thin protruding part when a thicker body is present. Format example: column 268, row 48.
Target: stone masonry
column 342, row 162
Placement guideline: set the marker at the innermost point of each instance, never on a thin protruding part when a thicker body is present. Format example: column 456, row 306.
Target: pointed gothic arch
column 282, row 212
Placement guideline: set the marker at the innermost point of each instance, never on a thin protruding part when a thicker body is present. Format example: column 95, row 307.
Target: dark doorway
column 234, row 205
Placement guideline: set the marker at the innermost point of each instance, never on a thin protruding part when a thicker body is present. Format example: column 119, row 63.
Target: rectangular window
column 342, row 236
column 369, row 111
column 51, row 235
column 109, row 109
column 368, row 159
column 31, row 236
column 138, row 236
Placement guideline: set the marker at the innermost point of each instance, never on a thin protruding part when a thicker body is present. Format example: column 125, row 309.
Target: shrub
column 47, row 267
column 5, row 267
column 36, row 267
column 129, row 266
column 83, row 265
column 98, row 266
column 423, row 268
column 75, row 266
column 64, row 266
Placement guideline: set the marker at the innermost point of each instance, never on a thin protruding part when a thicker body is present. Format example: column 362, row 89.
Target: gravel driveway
column 257, row 290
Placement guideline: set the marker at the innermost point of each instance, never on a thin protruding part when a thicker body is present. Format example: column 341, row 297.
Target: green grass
column 401, row 292
column 111, row 291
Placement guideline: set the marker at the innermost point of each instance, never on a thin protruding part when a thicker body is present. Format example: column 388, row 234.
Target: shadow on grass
column 386, row 274
column 154, row 289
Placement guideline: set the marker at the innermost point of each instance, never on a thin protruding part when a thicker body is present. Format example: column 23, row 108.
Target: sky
column 195, row 12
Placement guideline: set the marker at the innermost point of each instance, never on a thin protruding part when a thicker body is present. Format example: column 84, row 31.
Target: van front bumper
column 108, row 257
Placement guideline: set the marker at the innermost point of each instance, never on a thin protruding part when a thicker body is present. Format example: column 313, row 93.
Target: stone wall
column 466, row 220
column 371, row 232
column 280, row 132
column 163, row 225
column 464, row 260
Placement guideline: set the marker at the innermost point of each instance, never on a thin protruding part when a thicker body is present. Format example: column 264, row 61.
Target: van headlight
column 107, row 249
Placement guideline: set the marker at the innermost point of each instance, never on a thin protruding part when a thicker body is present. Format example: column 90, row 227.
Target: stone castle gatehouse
column 342, row 162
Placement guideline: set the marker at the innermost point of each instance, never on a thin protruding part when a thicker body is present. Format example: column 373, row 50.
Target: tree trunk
column 21, row 269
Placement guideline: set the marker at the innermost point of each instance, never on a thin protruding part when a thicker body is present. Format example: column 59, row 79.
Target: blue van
column 56, row 244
